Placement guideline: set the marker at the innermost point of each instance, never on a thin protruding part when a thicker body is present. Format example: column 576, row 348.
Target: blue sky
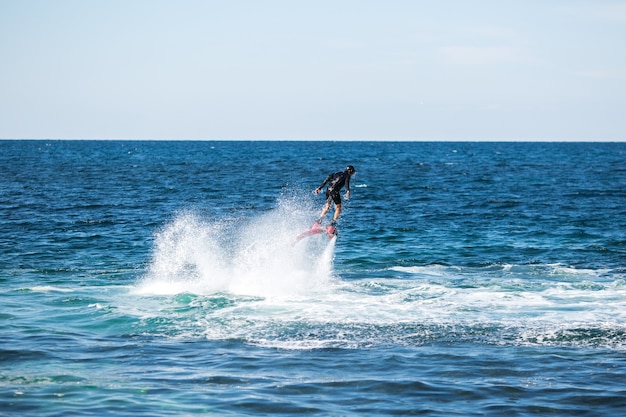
column 307, row 70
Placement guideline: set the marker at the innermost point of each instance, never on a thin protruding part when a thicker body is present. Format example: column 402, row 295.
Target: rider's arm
column 325, row 181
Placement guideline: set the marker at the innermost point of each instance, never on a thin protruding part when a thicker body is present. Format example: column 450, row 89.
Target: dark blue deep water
column 162, row 279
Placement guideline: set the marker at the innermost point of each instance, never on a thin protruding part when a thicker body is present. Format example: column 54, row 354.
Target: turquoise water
column 161, row 278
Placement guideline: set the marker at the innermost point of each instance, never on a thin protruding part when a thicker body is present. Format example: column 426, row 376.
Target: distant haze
column 295, row 70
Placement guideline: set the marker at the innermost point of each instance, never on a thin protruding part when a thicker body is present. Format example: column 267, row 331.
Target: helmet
column 350, row 169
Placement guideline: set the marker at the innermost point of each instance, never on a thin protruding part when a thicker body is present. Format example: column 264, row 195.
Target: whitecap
column 49, row 288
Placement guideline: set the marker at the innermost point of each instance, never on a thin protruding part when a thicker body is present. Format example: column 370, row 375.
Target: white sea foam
column 249, row 281
column 50, row 288
column 430, row 270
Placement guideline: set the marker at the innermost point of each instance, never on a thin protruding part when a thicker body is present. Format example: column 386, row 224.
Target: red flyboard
column 316, row 229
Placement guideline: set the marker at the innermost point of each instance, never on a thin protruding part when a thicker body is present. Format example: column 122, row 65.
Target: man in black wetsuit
column 336, row 181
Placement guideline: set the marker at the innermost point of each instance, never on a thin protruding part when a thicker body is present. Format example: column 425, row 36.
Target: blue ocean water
column 161, row 278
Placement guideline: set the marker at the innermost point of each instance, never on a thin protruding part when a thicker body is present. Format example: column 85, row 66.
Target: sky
column 313, row 70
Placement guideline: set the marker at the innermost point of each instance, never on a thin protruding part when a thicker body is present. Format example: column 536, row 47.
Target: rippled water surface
column 162, row 278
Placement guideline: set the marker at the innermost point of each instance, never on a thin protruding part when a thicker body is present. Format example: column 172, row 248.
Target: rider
column 336, row 182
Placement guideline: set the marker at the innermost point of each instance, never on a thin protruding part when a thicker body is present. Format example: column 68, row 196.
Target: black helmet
column 350, row 169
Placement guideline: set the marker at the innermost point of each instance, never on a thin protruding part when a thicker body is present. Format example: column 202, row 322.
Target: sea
column 162, row 278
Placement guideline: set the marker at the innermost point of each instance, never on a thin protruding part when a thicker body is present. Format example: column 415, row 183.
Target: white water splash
column 255, row 257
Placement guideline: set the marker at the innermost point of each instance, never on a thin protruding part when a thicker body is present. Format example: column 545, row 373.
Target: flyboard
column 317, row 229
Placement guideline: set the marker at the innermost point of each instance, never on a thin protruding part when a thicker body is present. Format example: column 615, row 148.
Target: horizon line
column 545, row 140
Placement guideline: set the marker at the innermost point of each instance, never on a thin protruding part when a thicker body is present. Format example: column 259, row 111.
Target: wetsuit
column 337, row 181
